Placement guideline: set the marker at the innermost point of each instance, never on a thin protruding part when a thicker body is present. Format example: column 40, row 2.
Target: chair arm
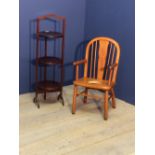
column 113, row 66
column 110, row 66
column 79, row 62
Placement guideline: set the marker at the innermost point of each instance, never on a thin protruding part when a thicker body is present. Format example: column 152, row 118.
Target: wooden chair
column 100, row 71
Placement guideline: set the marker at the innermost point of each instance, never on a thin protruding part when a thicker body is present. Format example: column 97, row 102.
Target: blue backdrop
column 73, row 10
column 116, row 19
column 85, row 19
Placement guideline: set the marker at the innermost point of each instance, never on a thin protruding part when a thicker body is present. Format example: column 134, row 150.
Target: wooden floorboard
column 53, row 130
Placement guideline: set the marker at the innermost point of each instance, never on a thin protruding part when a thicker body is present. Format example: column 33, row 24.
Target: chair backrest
column 102, row 52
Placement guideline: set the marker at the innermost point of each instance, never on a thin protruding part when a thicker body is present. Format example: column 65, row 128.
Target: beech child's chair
column 100, row 71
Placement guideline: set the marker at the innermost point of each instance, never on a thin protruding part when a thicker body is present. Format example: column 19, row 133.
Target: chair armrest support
column 77, row 63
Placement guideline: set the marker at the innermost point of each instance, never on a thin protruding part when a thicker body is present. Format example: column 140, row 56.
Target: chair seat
column 93, row 83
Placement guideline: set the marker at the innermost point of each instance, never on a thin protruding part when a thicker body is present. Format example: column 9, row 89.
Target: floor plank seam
column 99, row 141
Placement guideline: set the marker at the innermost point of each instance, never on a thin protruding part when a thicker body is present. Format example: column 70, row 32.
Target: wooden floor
column 53, row 130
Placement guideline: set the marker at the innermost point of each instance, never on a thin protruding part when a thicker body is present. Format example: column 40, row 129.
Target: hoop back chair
column 100, row 71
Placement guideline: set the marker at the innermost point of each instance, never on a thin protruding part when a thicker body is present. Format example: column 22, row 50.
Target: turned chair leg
column 106, row 105
column 74, row 100
column 113, row 98
column 85, row 97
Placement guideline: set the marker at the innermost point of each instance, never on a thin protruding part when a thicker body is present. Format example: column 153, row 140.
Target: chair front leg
column 85, row 97
column 106, row 105
column 113, row 98
column 74, row 100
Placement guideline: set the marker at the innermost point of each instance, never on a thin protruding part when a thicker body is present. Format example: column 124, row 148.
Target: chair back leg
column 85, row 97
column 113, row 98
